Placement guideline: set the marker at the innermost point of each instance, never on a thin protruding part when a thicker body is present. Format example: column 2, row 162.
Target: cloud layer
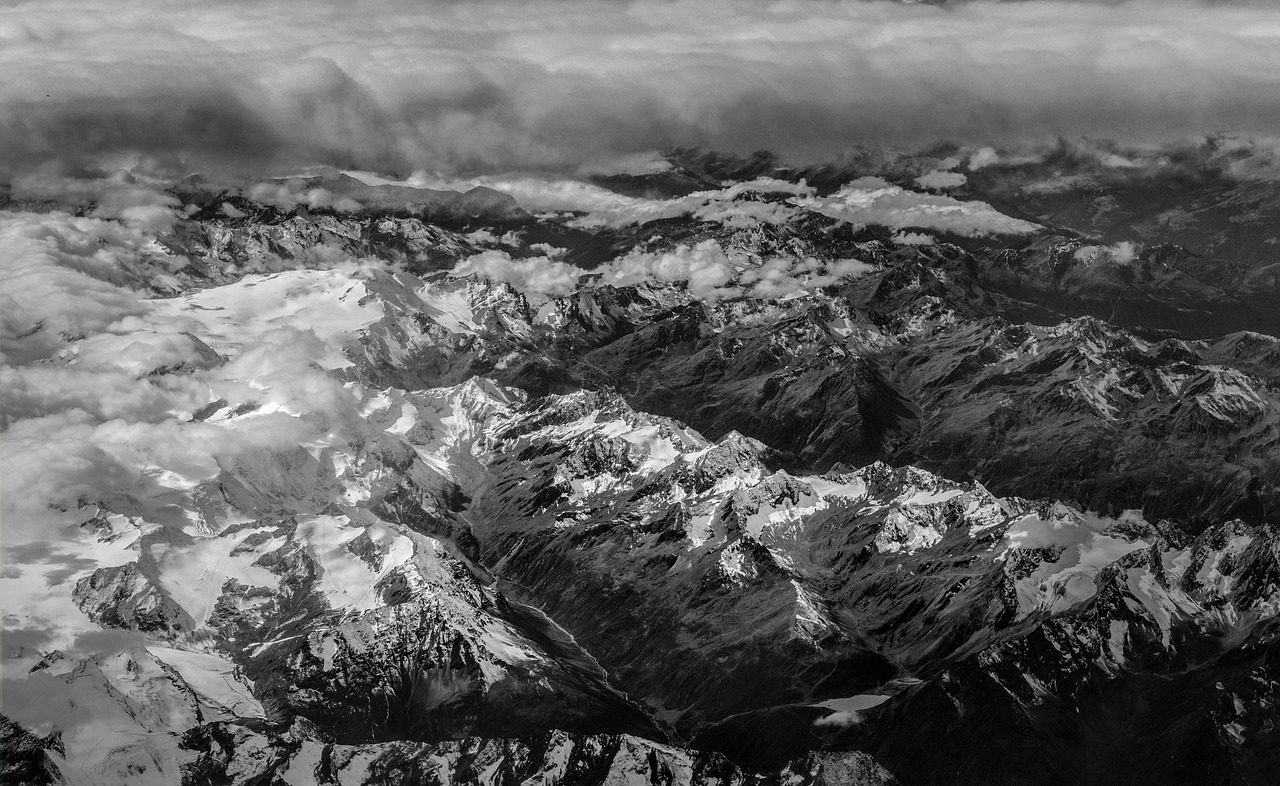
column 704, row 269
column 873, row 201
column 402, row 85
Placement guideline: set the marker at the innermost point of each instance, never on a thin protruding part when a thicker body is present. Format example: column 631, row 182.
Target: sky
column 399, row 86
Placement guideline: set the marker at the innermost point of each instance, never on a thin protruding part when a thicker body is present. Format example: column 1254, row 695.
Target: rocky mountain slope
column 710, row 476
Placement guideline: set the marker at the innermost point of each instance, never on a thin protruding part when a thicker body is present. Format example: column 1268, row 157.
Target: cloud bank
column 603, row 207
column 711, row 274
column 704, row 269
column 401, row 85
column 872, row 200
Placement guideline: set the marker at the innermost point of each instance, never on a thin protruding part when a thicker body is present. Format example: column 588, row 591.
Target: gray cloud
column 490, row 84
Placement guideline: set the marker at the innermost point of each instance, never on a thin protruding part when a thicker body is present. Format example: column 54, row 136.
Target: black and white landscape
column 640, row 393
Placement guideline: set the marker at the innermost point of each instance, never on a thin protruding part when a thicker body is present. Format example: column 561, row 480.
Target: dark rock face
column 1095, row 414
column 920, row 591
column 125, row 597
column 222, row 753
column 1083, row 410
column 407, row 673
column 24, row 761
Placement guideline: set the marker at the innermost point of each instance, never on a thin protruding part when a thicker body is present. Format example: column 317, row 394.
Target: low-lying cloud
column 403, row 85
column 873, row 201
column 99, row 384
column 708, row 272
column 703, row 269
column 62, row 275
column 537, row 277
column 868, row 201
column 603, row 207
column 288, row 195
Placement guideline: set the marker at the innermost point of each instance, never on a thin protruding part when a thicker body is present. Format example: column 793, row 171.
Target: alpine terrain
column 951, row 466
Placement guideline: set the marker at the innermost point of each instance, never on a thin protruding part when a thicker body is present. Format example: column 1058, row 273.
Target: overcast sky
column 404, row 85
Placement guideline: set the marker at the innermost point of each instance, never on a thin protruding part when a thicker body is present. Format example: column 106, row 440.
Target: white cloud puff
column 711, row 274
column 939, row 180
column 840, row 719
column 704, row 268
column 913, row 239
column 1121, row 253
column 983, row 157
column 288, row 195
column 536, row 277
column 872, row 201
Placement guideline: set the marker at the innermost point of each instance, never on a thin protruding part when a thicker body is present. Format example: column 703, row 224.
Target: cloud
column 1114, row 161
column 98, row 385
column 57, row 274
column 145, row 208
column 704, row 268
column 288, row 195
column 913, row 239
column 744, row 214
column 63, row 456
column 52, row 464
column 938, row 180
column 783, row 276
column 67, row 563
column 709, row 273
column 840, row 719
column 540, row 194
column 537, row 277
column 1250, row 159
column 39, row 390
column 725, row 206
column 1121, row 253
column 402, row 85
column 602, row 207
column 871, row 200
column 649, row 162
column 121, row 194
column 983, row 157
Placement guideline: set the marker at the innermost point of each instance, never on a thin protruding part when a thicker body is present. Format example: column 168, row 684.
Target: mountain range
column 912, row 468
